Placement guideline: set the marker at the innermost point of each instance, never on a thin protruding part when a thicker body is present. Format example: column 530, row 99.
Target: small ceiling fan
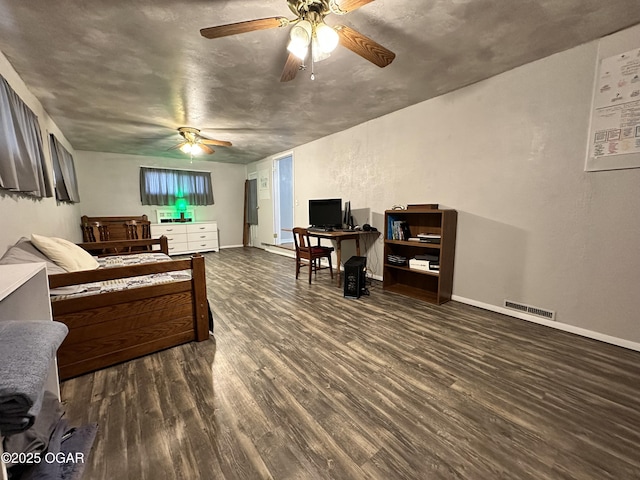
column 195, row 143
column 310, row 32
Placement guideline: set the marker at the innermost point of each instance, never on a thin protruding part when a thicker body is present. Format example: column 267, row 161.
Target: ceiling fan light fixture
column 328, row 38
column 298, row 50
column 317, row 52
column 302, row 30
column 195, row 144
column 191, row 148
column 300, row 37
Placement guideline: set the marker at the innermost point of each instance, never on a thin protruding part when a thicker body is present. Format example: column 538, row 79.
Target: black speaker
column 355, row 276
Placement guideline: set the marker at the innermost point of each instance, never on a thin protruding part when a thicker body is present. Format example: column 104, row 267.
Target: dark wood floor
column 301, row 383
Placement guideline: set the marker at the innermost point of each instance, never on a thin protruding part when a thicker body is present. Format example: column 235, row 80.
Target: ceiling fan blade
column 210, row 141
column 291, row 68
column 179, row 145
column 364, row 46
column 244, row 27
column 347, row 6
column 205, row 148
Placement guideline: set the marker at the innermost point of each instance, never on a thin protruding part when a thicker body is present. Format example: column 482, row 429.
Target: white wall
column 508, row 154
column 21, row 216
column 109, row 185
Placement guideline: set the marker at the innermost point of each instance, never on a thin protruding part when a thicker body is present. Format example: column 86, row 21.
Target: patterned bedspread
column 95, row 288
column 135, row 259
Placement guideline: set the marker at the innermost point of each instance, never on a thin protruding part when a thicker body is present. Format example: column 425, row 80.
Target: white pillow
column 66, row 254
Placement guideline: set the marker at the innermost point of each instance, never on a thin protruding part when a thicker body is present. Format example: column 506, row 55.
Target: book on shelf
column 400, row 230
column 406, row 231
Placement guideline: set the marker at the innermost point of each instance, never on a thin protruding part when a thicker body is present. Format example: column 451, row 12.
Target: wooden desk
column 339, row 236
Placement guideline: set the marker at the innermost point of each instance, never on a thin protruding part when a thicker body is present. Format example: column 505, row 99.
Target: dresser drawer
column 168, row 229
column 176, row 237
column 202, row 227
column 202, row 236
column 178, row 247
column 203, row 245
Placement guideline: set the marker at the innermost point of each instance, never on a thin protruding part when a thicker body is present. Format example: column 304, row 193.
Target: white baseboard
column 280, row 251
column 232, row 246
column 620, row 342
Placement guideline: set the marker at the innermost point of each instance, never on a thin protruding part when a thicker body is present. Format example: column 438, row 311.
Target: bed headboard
column 115, row 225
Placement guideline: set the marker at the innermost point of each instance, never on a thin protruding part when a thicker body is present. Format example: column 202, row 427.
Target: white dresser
column 188, row 237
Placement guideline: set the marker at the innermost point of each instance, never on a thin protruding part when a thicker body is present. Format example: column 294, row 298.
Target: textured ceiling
column 122, row 76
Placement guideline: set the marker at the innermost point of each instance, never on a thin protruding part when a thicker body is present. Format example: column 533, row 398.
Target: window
column 64, row 173
column 22, row 166
column 161, row 186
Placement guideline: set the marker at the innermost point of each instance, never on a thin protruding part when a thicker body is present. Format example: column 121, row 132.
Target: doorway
column 283, row 200
column 253, row 227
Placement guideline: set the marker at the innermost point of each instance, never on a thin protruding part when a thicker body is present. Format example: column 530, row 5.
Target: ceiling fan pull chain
column 313, row 74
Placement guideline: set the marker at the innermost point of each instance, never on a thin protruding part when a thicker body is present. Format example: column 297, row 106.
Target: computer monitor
column 325, row 212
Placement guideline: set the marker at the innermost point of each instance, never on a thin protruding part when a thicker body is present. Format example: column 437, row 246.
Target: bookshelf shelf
column 414, row 292
column 416, row 270
column 434, row 246
column 432, row 287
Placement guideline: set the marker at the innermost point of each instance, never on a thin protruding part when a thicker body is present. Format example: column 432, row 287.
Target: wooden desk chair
column 136, row 230
column 308, row 254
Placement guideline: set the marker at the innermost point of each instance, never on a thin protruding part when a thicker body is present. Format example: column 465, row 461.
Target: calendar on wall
column 614, row 133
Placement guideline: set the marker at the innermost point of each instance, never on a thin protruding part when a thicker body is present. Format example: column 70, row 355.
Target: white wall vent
column 538, row 312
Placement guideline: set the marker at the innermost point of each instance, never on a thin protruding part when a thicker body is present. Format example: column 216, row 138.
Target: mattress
column 96, row 288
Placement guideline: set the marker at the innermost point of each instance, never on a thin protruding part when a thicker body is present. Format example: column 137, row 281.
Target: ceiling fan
column 195, row 143
column 309, row 32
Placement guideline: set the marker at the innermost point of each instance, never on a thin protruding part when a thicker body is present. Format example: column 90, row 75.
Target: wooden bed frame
column 115, row 225
column 114, row 327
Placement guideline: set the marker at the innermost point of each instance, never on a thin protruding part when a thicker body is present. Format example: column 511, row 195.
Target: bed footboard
column 114, row 327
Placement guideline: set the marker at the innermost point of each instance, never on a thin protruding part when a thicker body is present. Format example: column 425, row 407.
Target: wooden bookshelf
column 430, row 286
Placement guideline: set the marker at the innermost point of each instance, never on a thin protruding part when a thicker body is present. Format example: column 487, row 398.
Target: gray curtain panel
column 22, row 164
column 161, row 186
column 64, row 172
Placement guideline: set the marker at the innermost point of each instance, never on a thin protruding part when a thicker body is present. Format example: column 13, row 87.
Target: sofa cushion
column 24, row 252
column 66, row 254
